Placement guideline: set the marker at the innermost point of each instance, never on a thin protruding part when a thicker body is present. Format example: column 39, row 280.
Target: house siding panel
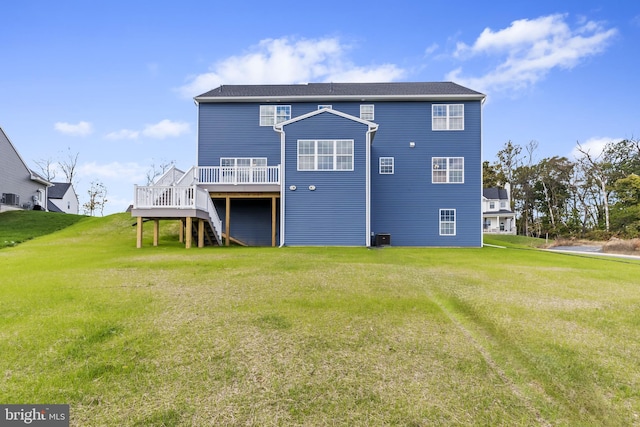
column 15, row 177
column 414, row 220
column 335, row 212
column 233, row 130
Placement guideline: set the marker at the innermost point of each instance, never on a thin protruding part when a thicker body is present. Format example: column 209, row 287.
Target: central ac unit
column 10, row 199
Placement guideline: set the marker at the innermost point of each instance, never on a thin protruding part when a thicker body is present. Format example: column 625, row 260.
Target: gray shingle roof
column 495, row 193
column 58, row 190
column 341, row 90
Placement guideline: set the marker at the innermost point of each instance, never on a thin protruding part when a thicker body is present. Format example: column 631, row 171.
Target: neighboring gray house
column 63, row 198
column 20, row 187
column 497, row 216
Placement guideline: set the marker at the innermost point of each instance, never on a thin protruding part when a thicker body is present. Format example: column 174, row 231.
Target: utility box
column 383, row 239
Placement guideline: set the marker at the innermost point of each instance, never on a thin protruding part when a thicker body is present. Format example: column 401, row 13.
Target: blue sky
column 114, row 81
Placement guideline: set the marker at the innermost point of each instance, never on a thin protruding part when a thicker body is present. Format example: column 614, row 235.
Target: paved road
column 577, row 248
column 595, row 250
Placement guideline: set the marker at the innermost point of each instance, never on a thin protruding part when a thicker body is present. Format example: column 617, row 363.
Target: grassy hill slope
column 19, row 226
column 315, row 336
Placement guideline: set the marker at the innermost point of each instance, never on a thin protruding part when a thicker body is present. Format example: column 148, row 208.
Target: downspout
column 282, row 180
column 481, row 173
column 372, row 130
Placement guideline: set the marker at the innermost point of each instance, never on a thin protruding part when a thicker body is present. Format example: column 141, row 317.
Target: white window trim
column 367, row 113
column 454, row 222
column 315, row 155
column 447, row 117
column 448, row 174
column 272, row 116
column 392, row 166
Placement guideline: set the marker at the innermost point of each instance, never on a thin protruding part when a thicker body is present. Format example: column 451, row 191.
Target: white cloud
column 528, row 49
column 80, row 129
column 161, row 130
column 130, row 172
column 165, row 129
column 593, row 146
column 286, row 61
column 432, row 48
column 123, row 134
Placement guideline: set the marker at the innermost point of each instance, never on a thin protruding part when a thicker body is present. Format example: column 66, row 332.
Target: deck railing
column 173, row 197
column 162, row 196
column 239, row 174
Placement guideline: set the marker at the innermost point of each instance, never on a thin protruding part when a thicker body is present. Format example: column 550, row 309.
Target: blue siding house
column 344, row 164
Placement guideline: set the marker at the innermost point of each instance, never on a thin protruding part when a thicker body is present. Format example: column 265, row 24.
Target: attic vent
column 10, row 199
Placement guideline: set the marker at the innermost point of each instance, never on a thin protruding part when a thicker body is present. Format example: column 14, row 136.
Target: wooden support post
column 273, row 221
column 139, row 233
column 187, row 243
column 200, row 233
column 156, row 231
column 227, row 221
column 181, row 232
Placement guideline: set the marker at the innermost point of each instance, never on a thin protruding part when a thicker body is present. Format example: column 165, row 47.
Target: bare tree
column 47, row 168
column 97, row 198
column 595, row 167
column 158, row 170
column 68, row 166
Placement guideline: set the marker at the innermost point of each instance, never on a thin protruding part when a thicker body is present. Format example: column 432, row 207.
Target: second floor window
column 274, row 114
column 447, row 117
column 447, row 170
column 325, row 154
column 366, row 112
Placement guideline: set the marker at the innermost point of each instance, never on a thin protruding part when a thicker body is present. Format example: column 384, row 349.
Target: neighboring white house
column 63, row 198
column 20, row 187
column 497, row 216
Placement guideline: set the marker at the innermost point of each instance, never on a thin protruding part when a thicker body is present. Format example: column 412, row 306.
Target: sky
column 114, row 81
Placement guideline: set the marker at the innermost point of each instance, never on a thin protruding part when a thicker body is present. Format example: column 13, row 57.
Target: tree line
column 594, row 196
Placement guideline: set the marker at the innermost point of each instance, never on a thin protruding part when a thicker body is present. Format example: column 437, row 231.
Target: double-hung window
column 274, row 114
column 325, row 154
column 447, row 170
column 447, row 117
column 367, row 112
column 386, row 166
column 447, row 222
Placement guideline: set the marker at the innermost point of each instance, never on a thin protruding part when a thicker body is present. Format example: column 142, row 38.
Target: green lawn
column 19, row 226
column 316, row 336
